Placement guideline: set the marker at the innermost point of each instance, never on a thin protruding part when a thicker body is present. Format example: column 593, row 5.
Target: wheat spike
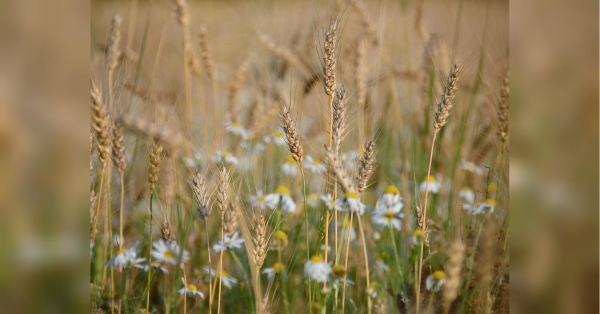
column 366, row 167
column 360, row 72
column 234, row 92
column 456, row 255
column 155, row 158
column 445, row 106
column 230, row 222
column 291, row 134
column 366, row 20
column 118, row 147
column 113, row 50
column 223, row 191
column 204, row 52
column 503, row 109
column 101, row 124
column 167, row 232
column 152, row 130
column 201, row 195
column 329, row 58
column 340, row 104
column 260, row 240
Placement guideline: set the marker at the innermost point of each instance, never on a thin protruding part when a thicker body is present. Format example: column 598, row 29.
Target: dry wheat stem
column 347, row 234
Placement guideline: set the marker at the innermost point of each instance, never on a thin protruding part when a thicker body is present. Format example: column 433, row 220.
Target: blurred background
column 44, row 140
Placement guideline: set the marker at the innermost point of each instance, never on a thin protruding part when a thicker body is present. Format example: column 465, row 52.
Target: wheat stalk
column 365, row 167
column 289, row 129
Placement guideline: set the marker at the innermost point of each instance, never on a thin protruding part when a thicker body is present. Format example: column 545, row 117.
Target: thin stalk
column 98, row 206
column 126, row 290
column 470, row 265
column 150, row 257
column 347, row 235
column 424, row 220
column 121, row 209
column 209, row 263
column 364, row 245
column 396, row 254
column 306, row 222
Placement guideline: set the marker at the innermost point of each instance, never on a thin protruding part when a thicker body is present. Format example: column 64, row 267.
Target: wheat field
column 299, row 156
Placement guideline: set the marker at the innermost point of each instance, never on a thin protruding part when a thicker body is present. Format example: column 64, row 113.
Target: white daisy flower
column 277, row 268
column 466, row 195
column 471, row 167
column 155, row 265
column 330, row 202
column 125, row 257
column 489, row 205
column 417, row 238
column 168, row 252
column 346, row 230
column 316, row 269
column 227, row 280
column 237, row 129
column 351, row 202
column 314, row 166
column 258, row 200
column 223, row 156
column 356, row 154
column 195, row 162
column 277, row 137
column 229, row 242
column 434, row 186
column 436, row 281
column 388, row 210
column 190, row 289
column 380, row 264
column 281, row 196
column 289, row 167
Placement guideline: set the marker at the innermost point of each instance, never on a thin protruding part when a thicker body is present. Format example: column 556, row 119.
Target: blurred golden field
column 283, row 156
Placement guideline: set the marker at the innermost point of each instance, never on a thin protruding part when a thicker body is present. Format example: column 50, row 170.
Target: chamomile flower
column 466, row 195
column 277, row 137
column 226, row 157
column 417, row 238
column 346, row 230
column 277, row 268
column 316, row 269
column 237, row 129
column 356, row 154
column 330, row 202
column 289, row 167
column 351, row 202
column 436, row 281
column 388, row 210
column 312, row 200
column 279, row 239
column 258, row 200
column 340, row 282
column 433, row 187
column 125, row 257
column 380, row 265
column 190, row 289
column 281, row 196
column 314, row 165
column 168, row 252
column 195, row 162
column 155, row 265
column 227, row 280
column 471, row 167
column 229, row 242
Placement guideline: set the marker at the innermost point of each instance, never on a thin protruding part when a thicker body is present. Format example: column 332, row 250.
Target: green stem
column 150, row 258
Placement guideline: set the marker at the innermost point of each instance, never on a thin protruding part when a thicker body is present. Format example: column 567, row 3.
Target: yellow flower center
column 360, row 151
column 492, row 187
column 278, row 267
column 346, row 223
column 439, row 275
column 282, row 190
column 289, row 160
column 338, row 270
column 316, row 163
column 418, row 233
column 278, row 134
column 192, row 287
column 351, row 194
column 380, row 256
column 389, row 214
column 225, row 154
column 121, row 251
column 236, row 125
column 222, row 274
column 261, row 198
column 466, row 189
column 168, row 254
column 491, row 201
column 430, row 178
column 198, row 160
column 316, row 259
column 391, row 190
column 280, row 235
